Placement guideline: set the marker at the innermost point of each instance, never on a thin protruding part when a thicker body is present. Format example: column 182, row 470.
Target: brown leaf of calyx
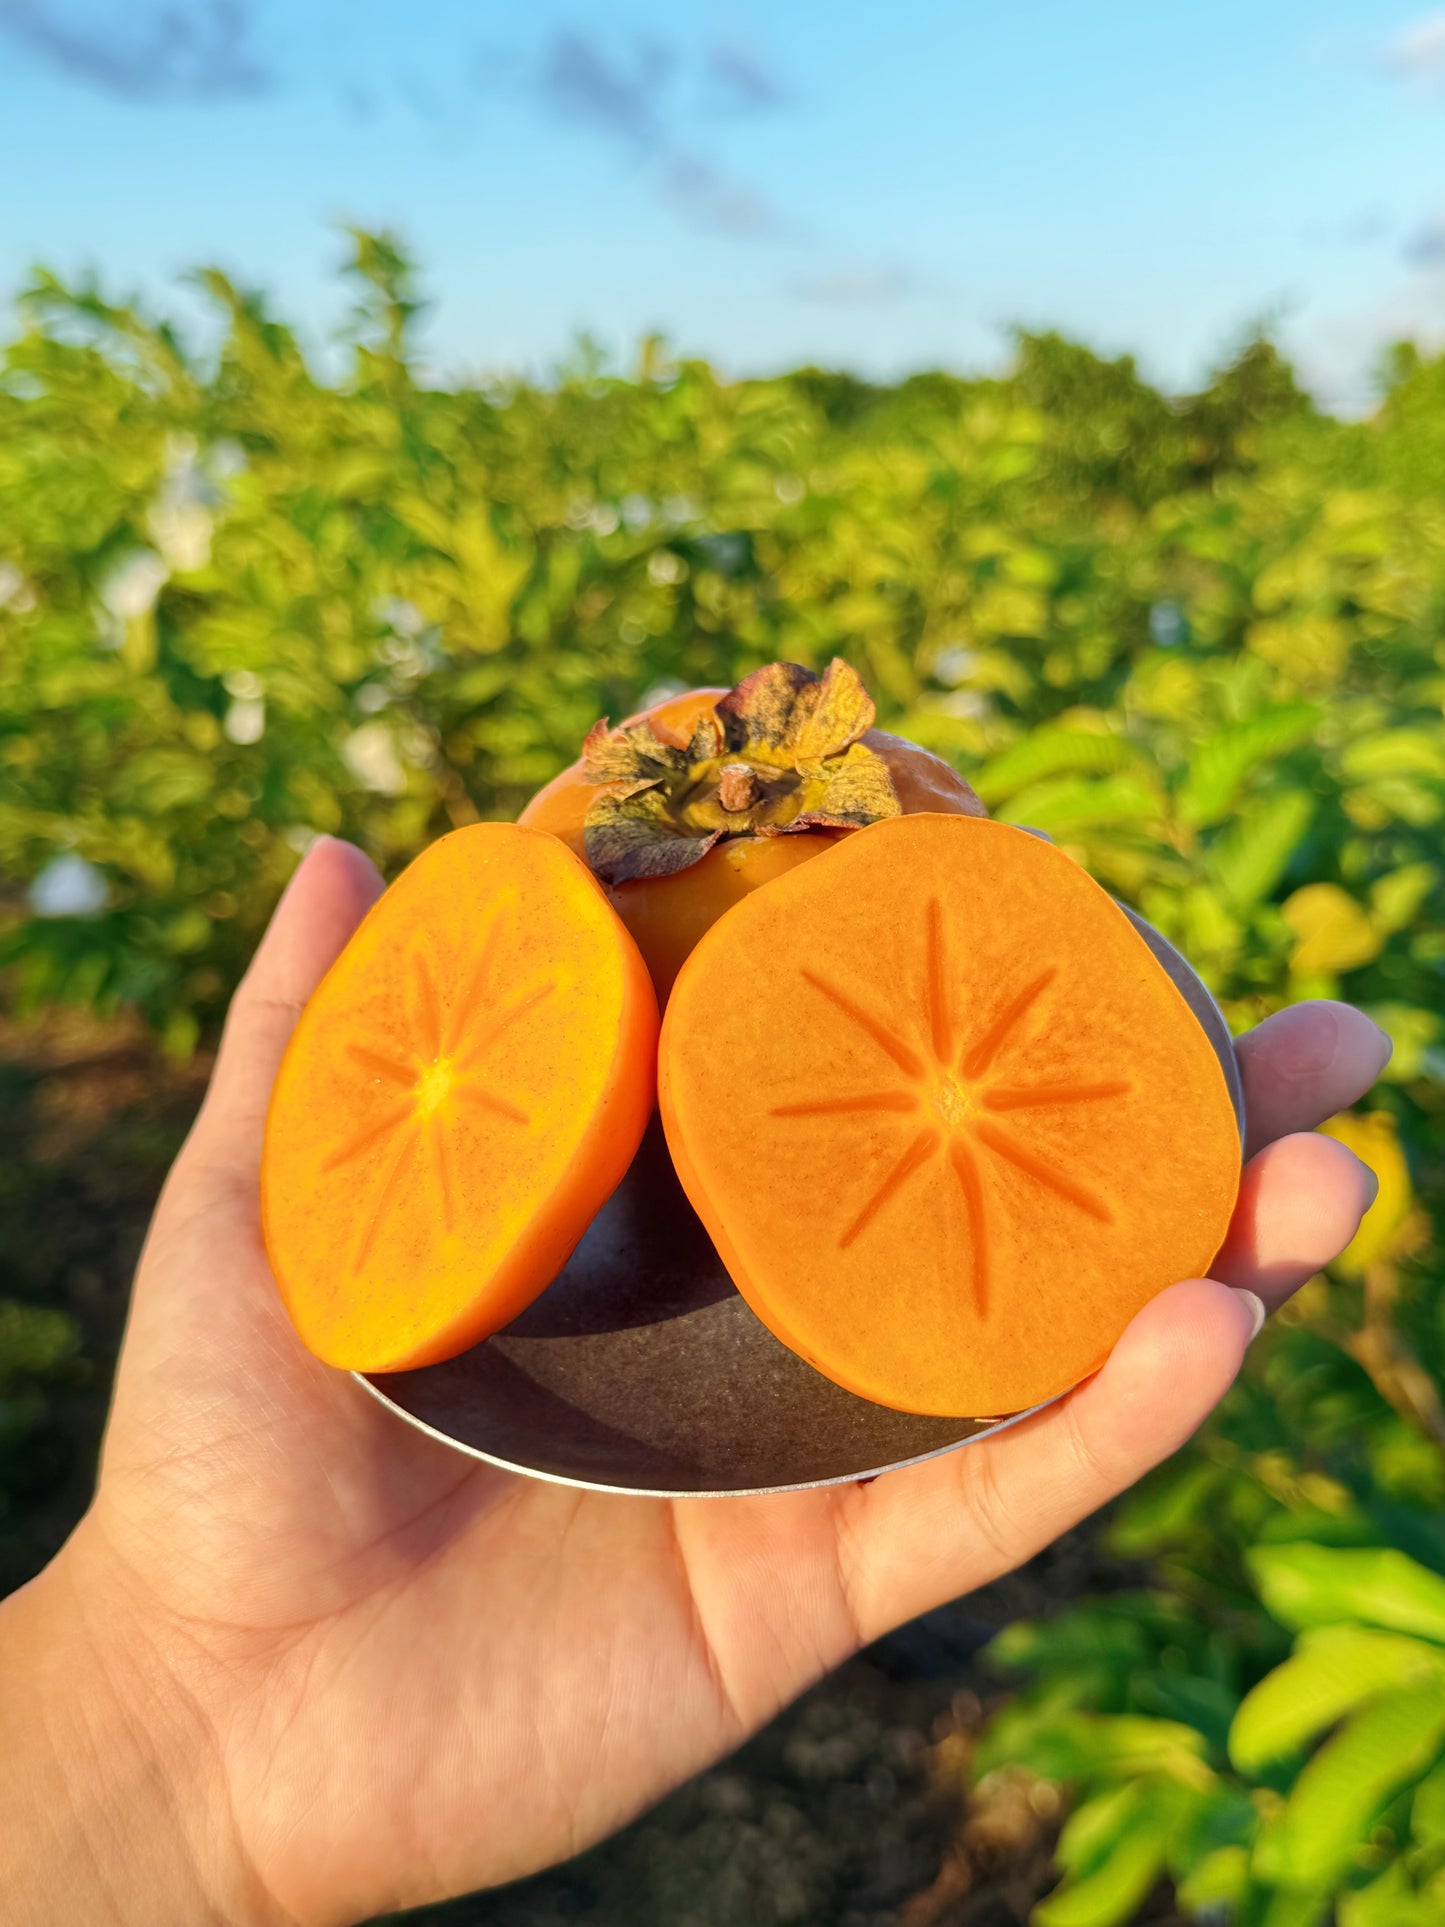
column 707, row 738
column 632, row 755
column 758, row 714
column 785, row 711
column 631, row 835
column 855, row 789
column 791, row 737
column 841, row 713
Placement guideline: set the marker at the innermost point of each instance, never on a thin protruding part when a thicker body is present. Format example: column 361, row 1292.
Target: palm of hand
column 413, row 1674
column 467, row 1673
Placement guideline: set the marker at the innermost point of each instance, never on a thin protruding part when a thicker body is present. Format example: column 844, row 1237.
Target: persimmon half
column 947, row 1120
column 688, row 807
column 462, row 1093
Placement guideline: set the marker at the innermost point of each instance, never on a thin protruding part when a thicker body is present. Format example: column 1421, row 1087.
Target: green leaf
column 1296, row 1909
column 1427, row 1809
column 1406, row 798
column 1085, row 1636
column 1396, row 752
column 1220, row 764
column 1339, row 1797
column 1031, row 1731
column 160, row 780
column 1123, row 1842
column 1052, row 752
column 1251, row 857
column 1070, row 803
column 1069, row 1745
column 1221, row 1880
column 1390, row 1901
column 1395, row 900
column 1304, row 1585
column 1163, row 1507
column 1412, row 1031
column 1208, row 1705
column 1096, row 1827
column 37, row 1343
column 1331, row 1672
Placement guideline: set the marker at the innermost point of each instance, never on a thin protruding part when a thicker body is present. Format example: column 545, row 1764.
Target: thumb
column 333, row 888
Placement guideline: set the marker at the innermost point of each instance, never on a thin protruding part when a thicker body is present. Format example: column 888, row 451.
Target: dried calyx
column 782, row 752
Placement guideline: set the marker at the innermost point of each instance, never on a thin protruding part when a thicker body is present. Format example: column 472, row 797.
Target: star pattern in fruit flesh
column 445, row 1069
column 956, row 1100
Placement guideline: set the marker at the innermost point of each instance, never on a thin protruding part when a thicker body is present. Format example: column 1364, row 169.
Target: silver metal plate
column 640, row 1369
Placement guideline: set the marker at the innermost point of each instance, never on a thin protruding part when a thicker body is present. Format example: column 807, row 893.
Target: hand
column 302, row 1663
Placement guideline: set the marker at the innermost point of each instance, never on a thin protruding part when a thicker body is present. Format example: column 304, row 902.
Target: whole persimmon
column 903, row 1236
column 685, row 809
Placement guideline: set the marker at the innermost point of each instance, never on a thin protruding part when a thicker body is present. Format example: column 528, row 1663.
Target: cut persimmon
column 462, row 1093
column 946, row 1118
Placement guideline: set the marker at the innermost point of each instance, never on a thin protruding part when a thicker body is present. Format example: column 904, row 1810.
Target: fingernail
column 1256, row 1314
column 1372, row 1183
column 1306, row 1037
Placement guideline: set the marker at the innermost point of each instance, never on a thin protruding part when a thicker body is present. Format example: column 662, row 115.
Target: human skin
column 299, row 1663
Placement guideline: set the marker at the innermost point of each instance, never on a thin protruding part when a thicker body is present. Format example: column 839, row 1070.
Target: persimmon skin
column 947, row 1120
column 462, row 1093
column 667, row 915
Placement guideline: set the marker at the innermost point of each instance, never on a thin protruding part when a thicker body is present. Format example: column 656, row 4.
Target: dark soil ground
column 851, row 1810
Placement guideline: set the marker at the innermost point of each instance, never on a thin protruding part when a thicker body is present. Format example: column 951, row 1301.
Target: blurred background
column 386, row 393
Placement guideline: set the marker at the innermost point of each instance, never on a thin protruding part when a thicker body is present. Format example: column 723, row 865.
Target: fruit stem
column 738, row 788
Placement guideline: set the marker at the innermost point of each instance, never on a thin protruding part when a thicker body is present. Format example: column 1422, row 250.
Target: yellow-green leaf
column 1375, row 1139
column 1310, row 1585
column 1333, row 933
column 1341, row 1793
column 1330, row 1673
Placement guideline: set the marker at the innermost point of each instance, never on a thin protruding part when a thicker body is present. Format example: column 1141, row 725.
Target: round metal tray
column 641, row 1370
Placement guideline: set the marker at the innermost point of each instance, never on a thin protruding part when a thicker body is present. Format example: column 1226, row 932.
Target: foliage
column 1268, row 1729
column 39, row 1349
column 1201, row 641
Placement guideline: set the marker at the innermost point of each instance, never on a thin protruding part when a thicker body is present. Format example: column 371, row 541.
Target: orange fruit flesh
column 462, row 1093
column 947, row 1120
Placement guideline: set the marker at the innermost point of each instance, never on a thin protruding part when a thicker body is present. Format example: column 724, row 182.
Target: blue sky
column 881, row 187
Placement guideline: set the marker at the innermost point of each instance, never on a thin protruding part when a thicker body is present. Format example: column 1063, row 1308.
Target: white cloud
column 859, row 285
column 742, row 78
column 1426, row 246
column 713, row 200
column 629, row 98
column 147, row 53
column 1338, row 355
column 1418, row 52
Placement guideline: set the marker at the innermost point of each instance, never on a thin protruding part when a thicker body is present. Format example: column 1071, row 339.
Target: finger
column 332, row 890
column 1304, row 1064
column 1300, row 1203
column 913, row 1539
